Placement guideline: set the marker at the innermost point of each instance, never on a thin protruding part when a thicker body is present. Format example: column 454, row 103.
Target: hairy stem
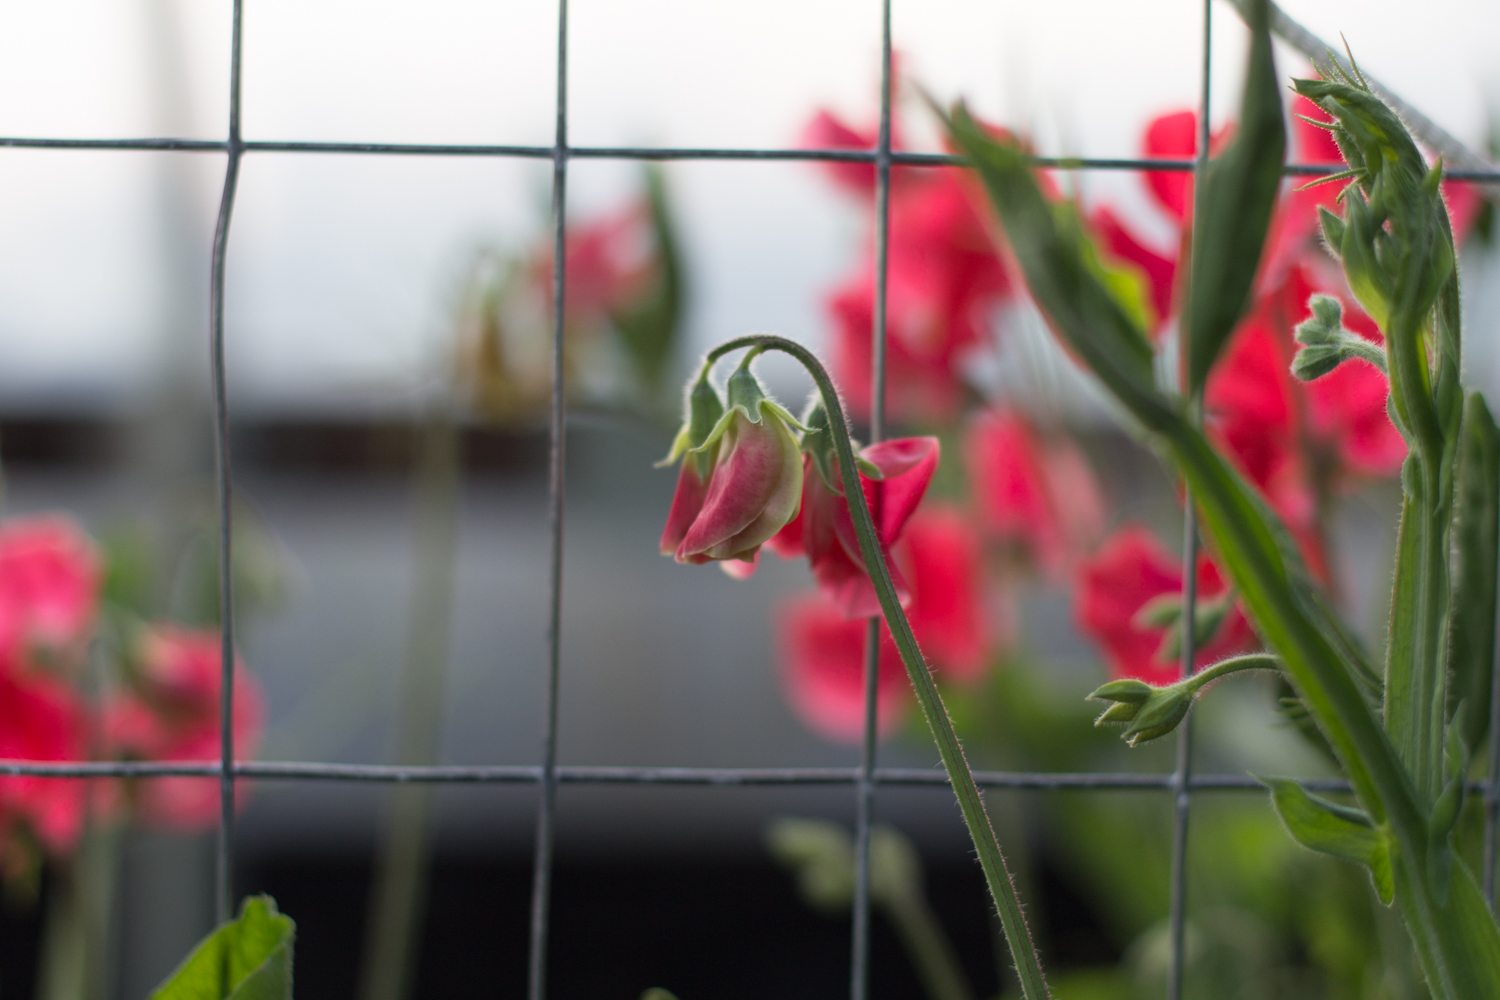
column 1002, row 889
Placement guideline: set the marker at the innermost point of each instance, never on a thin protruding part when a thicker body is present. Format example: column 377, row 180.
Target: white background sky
column 342, row 268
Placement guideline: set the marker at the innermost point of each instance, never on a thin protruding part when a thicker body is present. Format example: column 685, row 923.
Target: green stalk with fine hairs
column 1002, row 888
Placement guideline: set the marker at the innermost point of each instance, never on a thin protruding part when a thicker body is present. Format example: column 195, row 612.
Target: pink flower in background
column 822, row 654
column 49, row 585
column 609, row 263
column 171, row 712
column 945, row 281
column 1037, row 497
column 941, row 557
column 823, row 529
column 41, row 719
column 822, row 650
column 1125, row 575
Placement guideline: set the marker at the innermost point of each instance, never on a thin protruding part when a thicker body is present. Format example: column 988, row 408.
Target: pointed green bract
column 1232, row 209
column 1331, row 828
column 249, row 958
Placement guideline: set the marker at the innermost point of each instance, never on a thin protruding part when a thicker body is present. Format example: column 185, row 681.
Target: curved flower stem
column 1002, row 889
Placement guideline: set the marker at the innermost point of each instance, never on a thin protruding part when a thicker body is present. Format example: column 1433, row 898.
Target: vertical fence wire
column 1182, row 792
column 541, row 885
column 859, row 960
column 223, row 888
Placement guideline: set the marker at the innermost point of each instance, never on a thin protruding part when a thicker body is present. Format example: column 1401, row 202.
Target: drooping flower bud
column 754, row 487
column 704, row 409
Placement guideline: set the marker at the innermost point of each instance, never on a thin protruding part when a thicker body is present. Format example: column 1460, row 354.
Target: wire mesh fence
column 867, row 777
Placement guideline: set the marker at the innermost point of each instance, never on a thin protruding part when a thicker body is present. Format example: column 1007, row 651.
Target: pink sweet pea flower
column 49, row 586
column 753, row 490
column 822, row 650
column 1130, row 571
column 1037, row 497
column 941, row 558
column 41, row 719
column 824, row 530
column 171, row 713
column 822, row 654
column 608, row 261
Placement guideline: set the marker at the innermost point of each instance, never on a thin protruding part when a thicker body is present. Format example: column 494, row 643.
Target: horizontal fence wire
column 1489, row 175
column 527, row 774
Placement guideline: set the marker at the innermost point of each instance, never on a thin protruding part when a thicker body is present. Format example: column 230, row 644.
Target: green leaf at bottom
column 1331, row 828
column 249, row 958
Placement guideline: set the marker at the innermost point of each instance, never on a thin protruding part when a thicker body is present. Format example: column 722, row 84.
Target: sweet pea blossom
column 753, row 489
column 822, row 656
column 955, row 626
column 945, row 281
column 1132, row 571
column 41, row 719
column 171, row 712
column 49, row 586
column 1037, row 497
column 822, row 650
column 824, row 530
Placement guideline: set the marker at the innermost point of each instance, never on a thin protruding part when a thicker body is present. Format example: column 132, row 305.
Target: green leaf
column 648, row 329
column 1331, row 828
column 1474, row 578
column 249, row 958
column 1232, row 209
column 657, row 993
column 1064, row 272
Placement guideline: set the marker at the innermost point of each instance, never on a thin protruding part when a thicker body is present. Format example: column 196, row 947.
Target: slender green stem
column 392, row 936
column 930, row 950
column 1233, row 665
column 991, row 860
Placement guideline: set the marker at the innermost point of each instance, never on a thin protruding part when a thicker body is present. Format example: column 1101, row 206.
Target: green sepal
column 249, row 958
column 747, row 397
column 1326, row 344
column 1474, row 592
column 705, row 411
column 1332, row 228
column 1232, row 208
column 1162, row 611
column 1333, row 828
column 817, row 443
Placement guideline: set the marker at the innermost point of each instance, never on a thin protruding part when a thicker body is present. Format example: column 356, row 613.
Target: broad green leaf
column 649, row 329
column 1474, row 589
column 1064, row 272
column 249, row 958
column 1331, row 828
column 1232, row 209
column 657, row 993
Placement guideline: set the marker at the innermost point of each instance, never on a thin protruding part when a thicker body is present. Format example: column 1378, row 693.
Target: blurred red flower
column 1131, row 570
column 822, row 650
column 822, row 655
column 49, row 586
column 823, row 529
column 948, row 613
column 609, row 262
column 945, row 280
column 42, row 720
column 1037, row 497
column 171, row 712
